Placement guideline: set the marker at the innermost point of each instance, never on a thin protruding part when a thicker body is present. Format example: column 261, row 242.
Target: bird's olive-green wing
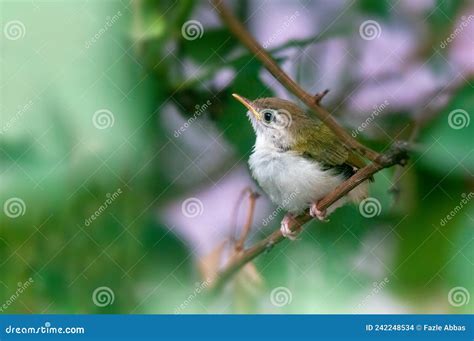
column 317, row 141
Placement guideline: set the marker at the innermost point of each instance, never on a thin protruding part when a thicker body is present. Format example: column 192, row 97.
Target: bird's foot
column 316, row 213
column 288, row 219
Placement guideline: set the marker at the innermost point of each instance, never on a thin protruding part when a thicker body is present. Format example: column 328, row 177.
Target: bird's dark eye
column 267, row 116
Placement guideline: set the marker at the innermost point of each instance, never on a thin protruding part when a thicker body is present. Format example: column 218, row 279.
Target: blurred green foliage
column 63, row 168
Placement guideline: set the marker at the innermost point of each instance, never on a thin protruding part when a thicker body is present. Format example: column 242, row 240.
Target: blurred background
column 123, row 156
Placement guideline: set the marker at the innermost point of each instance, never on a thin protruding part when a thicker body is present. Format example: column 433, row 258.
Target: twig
column 395, row 188
column 271, row 65
column 319, row 96
column 422, row 118
column 396, row 154
column 235, row 214
column 239, row 245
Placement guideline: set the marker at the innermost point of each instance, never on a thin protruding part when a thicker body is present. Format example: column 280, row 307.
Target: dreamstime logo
column 20, row 112
column 109, row 22
column 111, row 197
column 14, row 30
column 370, row 207
column 281, row 296
column 378, row 109
column 103, row 296
column 192, row 207
column 22, row 286
column 458, row 30
column 14, row 207
column 281, row 29
column 377, row 288
column 103, row 119
column 200, row 109
column 370, row 30
column 285, row 203
column 199, row 288
column 458, row 296
column 192, row 30
column 458, row 119
column 283, row 120
column 465, row 199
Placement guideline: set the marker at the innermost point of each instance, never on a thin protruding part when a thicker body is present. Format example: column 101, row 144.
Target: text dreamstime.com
column 46, row 329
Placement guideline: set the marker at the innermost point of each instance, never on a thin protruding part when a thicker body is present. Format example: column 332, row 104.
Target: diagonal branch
column 239, row 244
column 396, row 154
column 271, row 65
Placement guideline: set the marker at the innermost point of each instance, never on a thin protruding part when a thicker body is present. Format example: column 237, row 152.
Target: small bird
column 297, row 159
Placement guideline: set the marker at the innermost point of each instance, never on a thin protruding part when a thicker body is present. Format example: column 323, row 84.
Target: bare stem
column 396, row 154
column 239, row 245
column 271, row 65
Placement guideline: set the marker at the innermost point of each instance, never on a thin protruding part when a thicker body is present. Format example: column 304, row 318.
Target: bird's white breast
column 291, row 181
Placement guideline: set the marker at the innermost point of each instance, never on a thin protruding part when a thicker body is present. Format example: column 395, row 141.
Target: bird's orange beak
column 248, row 104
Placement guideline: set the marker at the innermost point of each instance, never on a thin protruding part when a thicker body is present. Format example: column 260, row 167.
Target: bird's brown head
column 274, row 119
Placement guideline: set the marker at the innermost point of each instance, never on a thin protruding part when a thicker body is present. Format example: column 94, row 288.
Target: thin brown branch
column 395, row 188
column 271, row 65
column 235, row 214
column 422, row 117
column 397, row 153
column 319, row 96
column 239, row 245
